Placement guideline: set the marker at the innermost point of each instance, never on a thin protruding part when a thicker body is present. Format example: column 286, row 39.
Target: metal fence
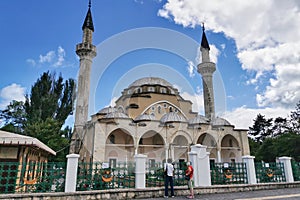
column 102, row 175
column 155, row 174
column 50, row 177
column 296, row 170
column 32, row 177
column 269, row 172
column 228, row 173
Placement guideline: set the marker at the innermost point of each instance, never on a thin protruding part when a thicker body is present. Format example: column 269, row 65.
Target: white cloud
column 11, row 92
column 196, row 99
column 265, row 32
column 243, row 117
column 223, row 46
column 52, row 58
column 61, row 57
column 113, row 102
column 284, row 89
column 190, row 69
column 47, row 58
column 31, row 61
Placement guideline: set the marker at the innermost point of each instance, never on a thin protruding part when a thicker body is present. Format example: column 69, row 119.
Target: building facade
column 152, row 118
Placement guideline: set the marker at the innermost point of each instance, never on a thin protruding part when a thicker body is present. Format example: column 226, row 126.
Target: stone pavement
column 278, row 194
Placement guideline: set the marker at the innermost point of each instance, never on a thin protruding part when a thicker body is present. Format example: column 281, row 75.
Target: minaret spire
column 86, row 52
column 88, row 22
column 206, row 68
column 204, row 42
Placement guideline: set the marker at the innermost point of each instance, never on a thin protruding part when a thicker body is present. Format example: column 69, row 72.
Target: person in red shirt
column 190, row 172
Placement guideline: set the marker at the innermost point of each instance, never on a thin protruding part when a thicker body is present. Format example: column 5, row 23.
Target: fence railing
column 296, row 170
column 155, row 174
column 101, row 176
column 50, row 177
column 32, row 177
column 228, row 173
column 269, row 172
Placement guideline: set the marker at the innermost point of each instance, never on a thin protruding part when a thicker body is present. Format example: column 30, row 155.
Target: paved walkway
column 278, row 194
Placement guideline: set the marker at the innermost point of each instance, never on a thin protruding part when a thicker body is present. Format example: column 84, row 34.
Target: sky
column 255, row 45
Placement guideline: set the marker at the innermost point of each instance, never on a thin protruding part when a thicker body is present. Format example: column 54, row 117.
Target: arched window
column 163, row 90
column 230, row 143
column 141, row 141
column 151, row 89
column 153, row 108
column 212, row 143
column 138, row 90
column 159, row 109
column 112, row 139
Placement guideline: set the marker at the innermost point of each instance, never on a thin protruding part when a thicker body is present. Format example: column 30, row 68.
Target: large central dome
column 150, row 81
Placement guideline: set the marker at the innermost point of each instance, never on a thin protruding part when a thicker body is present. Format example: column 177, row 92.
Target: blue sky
column 256, row 47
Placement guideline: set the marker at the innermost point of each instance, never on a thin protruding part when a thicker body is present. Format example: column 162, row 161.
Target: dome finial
column 203, row 28
column 90, row 3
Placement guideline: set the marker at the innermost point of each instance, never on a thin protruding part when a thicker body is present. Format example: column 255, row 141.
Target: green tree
column 261, row 128
column 280, row 126
column 44, row 113
column 295, row 119
column 47, row 108
column 13, row 117
column 288, row 145
column 267, row 151
column 50, row 98
column 268, row 141
column 49, row 132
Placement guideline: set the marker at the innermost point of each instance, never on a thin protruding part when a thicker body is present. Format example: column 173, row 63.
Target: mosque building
column 151, row 118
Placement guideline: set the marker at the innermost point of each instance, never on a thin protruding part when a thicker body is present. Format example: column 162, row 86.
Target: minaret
column 86, row 52
column 206, row 69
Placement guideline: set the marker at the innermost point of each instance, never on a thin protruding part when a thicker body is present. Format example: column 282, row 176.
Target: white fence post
column 288, row 171
column 71, row 174
column 199, row 158
column 140, row 170
column 251, row 173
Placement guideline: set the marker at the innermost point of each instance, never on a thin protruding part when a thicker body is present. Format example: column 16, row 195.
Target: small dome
column 144, row 117
column 172, row 117
column 200, row 119
column 218, row 121
column 107, row 110
column 115, row 115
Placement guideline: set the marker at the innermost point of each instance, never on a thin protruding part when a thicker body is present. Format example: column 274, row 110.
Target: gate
column 102, row 175
column 269, row 172
column 228, row 173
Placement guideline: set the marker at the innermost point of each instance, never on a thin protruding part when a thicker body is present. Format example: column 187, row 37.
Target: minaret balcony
column 206, row 68
column 86, row 47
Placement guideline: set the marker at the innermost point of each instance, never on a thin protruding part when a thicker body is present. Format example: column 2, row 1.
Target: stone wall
column 145, row 193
